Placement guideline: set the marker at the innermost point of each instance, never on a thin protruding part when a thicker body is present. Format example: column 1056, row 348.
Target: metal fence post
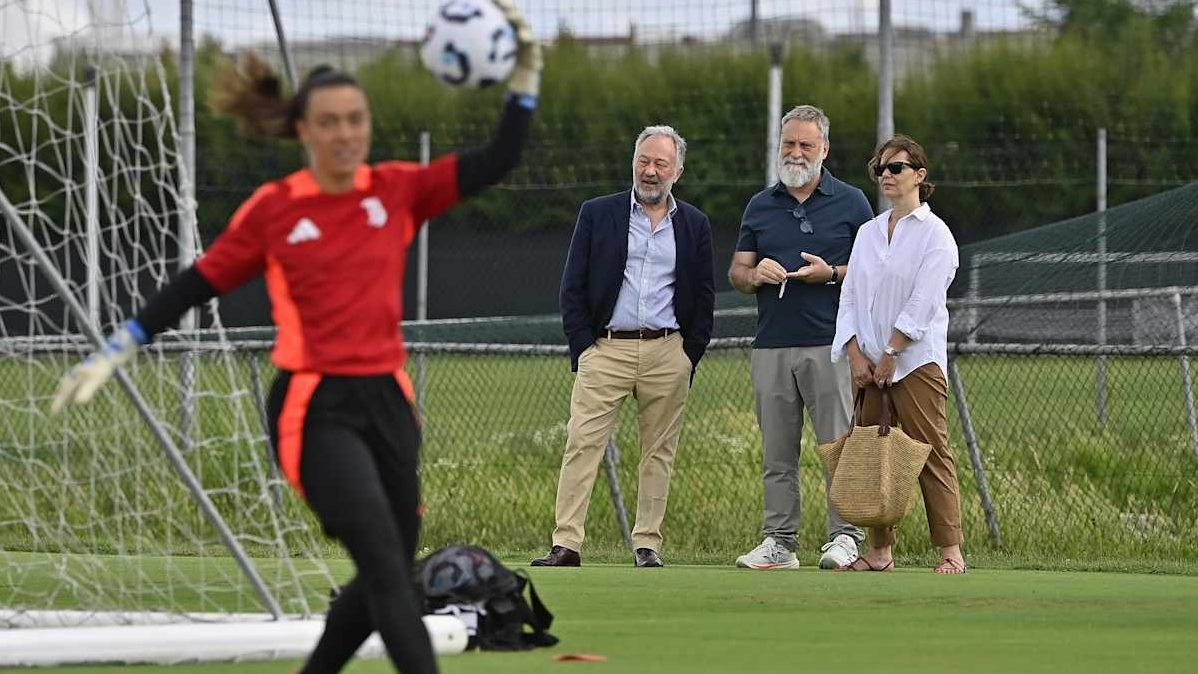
column 1186, row 381
column 611, row 464
column 422, row 281
column 974, row 292
column 975, row 453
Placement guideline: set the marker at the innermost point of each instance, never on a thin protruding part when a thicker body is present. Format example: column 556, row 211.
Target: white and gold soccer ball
column 469, row 43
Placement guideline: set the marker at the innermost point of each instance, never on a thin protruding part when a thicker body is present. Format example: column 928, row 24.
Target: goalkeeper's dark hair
column 252, row 93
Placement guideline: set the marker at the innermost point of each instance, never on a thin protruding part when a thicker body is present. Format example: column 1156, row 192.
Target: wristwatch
column 891, row 351
column 832, row 281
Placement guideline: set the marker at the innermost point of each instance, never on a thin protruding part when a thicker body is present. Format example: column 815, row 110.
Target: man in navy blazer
column 637, row 301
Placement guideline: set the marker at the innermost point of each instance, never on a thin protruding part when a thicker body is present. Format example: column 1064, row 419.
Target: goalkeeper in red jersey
column 331, row 240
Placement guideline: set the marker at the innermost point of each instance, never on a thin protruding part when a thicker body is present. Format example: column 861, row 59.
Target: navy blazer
column 595, row 271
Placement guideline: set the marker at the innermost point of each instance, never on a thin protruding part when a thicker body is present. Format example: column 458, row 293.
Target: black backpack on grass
column 469, row 576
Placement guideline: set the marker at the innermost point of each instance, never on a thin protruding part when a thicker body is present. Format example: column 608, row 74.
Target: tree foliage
column 1010, row 126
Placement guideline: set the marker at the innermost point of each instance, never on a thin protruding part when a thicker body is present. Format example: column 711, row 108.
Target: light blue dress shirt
column 646, row 298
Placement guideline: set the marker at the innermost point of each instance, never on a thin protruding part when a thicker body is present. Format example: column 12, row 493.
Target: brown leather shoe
column 559, row 556
column 648, row 558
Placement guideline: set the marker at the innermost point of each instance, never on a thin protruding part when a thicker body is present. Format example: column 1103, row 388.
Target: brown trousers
column 919, row 400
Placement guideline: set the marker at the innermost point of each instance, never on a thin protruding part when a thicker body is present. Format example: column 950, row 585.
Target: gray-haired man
column 793, row 250
column 637, row 297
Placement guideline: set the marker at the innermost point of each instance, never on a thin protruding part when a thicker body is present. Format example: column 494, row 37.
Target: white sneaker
column 840, row 551
column 769, row 555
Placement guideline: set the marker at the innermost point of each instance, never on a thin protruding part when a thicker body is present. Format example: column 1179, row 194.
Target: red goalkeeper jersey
column 334, row 263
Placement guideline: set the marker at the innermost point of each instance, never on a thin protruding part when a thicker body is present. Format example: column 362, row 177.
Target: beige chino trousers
column 656, row 372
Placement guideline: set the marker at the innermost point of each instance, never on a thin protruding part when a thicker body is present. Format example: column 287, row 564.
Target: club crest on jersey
column 376, row 215
column 304, row 230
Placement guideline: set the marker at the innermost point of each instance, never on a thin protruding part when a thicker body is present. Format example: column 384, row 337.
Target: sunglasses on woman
column 895, row 168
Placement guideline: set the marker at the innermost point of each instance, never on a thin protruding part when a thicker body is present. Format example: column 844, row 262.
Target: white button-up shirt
column 900, row 284
column 646, row 298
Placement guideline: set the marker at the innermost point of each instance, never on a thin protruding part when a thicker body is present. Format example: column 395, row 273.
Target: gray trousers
column 785, row 381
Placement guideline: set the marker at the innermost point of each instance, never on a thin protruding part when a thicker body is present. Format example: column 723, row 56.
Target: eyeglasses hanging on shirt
column 804, row 227
column 804, row 223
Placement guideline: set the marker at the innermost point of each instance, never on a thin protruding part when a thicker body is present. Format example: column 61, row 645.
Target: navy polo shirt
column 771, row 227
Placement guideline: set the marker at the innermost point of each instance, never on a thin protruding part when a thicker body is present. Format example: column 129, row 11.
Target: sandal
column 862, row 564
column 950, row 567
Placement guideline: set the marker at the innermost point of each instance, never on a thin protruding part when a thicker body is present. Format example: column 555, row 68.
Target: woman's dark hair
column 919, row 159
column 253, row 95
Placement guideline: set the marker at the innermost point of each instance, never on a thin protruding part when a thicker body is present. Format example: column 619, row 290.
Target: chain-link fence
column 1072, row 407
column 1061, row 481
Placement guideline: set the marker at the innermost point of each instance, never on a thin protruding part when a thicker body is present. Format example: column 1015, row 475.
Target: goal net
column 97, row 523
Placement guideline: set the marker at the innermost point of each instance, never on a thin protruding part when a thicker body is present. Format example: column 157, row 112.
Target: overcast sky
column 24, row 23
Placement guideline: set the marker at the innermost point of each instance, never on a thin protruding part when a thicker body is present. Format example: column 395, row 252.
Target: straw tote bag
column 874, row 469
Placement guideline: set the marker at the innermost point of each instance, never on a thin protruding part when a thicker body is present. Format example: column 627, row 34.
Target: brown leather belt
column 639, row 334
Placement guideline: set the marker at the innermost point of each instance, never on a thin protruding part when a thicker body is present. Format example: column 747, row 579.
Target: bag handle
column 885, row 419
column 536, row 616
column 858, row 406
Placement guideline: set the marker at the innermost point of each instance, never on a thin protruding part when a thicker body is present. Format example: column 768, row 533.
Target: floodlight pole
column 186, row 232
column 885, row 82
column 773, row 130
column 187, row 145
column 753, row 22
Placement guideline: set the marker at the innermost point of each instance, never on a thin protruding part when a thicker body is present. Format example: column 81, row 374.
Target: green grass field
column 686, row 619
column 1060, row 480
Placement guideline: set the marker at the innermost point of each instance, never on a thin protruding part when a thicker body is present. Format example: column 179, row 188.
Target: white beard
column 795, row 175
column 659, row 192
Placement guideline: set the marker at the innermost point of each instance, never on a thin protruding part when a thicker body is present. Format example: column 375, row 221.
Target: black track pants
column 351, row 446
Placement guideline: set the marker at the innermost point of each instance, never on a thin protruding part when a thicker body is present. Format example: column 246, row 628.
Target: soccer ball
column 469, row 43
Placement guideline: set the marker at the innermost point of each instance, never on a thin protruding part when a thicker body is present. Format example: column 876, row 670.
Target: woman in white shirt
column 893, row 328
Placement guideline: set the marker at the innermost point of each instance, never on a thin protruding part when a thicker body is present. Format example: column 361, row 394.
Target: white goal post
column 173, row 641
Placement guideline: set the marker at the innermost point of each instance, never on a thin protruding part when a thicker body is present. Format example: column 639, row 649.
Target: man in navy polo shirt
column 792, row 253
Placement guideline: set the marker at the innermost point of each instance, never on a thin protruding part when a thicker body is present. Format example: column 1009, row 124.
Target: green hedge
column 1010, row 126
